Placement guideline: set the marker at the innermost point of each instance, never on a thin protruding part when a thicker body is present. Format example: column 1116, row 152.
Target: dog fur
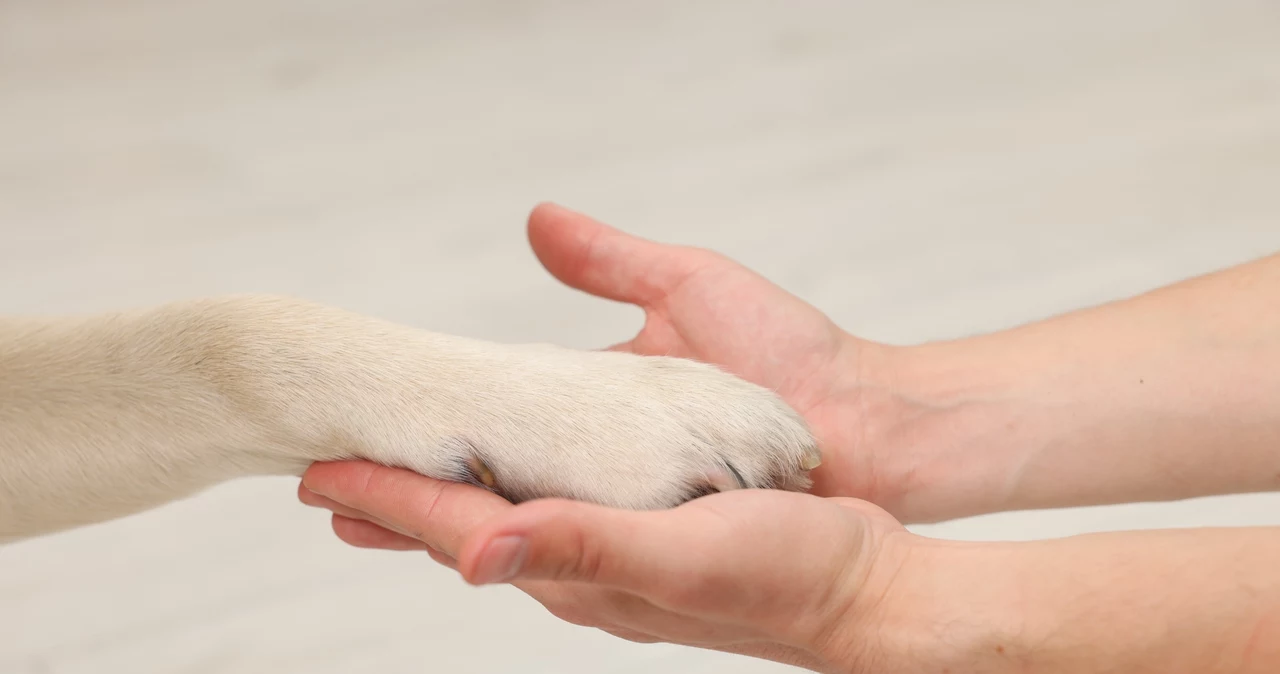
column 108, row 415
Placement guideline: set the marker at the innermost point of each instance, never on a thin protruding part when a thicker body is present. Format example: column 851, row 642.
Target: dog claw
column 482, row 473
column 726, row 478
column 812, row 458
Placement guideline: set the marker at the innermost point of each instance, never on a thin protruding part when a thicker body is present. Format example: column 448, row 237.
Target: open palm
column 700, row 305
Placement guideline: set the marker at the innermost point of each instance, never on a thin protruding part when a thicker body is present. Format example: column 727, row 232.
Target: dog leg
column 109, row 415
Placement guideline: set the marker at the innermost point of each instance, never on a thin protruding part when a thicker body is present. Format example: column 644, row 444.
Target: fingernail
column 312, row 489
column 501, row 560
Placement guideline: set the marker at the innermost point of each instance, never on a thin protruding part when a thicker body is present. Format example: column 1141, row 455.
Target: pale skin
column 1169, row 395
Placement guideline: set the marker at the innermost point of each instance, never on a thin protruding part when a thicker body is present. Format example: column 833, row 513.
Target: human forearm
column 1194, row 601
column 1169, row 395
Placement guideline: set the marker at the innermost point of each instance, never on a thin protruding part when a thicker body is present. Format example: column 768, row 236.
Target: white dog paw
column 622, row 430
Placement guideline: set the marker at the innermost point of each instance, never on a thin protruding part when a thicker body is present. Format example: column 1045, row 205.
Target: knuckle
column 589, row 557
column 369, row 480
column 573, row 554
column 578, row 558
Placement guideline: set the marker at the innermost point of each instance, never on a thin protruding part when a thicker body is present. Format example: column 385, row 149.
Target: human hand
column 703, row 306
column 835, row 585
column 777, row 575
column 885, row 436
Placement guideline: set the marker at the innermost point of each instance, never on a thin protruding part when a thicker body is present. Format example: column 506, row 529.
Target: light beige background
column 917, row 169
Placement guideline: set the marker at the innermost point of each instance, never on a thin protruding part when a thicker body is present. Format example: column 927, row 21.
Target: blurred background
column 918, row 170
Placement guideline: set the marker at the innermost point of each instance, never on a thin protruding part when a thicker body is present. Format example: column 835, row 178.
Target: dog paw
column 619, row 430
column 528, row 422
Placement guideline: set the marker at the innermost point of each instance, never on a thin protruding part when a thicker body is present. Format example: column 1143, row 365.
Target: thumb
column 561, row 540
column 590, row 256
column 748, row 551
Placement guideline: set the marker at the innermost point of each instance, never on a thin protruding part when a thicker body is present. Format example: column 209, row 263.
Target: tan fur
column 104, row 416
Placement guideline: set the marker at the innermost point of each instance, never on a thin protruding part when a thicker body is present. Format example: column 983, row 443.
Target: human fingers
column 558, row 540
column 438, row 513
column 588, row 255
column 675, row 558
column 310, row 498
column 364, row 534
column 376, row 535
column 442, row 559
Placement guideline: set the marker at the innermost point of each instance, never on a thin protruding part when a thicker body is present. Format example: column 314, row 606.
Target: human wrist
column 930, row 605
column 1023, row 418
column 925, row 431
column 1173, row 602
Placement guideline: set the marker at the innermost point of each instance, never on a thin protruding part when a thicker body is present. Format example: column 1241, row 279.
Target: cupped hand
column 701, row 305
column 777, row 575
